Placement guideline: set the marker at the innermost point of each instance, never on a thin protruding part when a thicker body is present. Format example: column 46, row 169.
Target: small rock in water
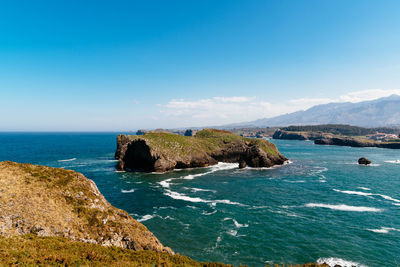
column 242, row 164
column 364, row 161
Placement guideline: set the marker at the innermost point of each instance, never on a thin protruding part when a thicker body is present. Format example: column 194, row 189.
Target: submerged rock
column 364, row 161
column 159, row 152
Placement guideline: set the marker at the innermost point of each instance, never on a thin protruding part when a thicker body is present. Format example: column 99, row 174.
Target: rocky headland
column 356, row 142
column 47, row 201
column 299, row 135
column 161, row 151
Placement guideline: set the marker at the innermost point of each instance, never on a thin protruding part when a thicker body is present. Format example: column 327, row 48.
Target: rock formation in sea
column 364, row 161
column 47, row 201
column 159, row 152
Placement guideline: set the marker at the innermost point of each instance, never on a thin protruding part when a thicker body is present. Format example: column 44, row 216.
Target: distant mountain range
column 376, row 113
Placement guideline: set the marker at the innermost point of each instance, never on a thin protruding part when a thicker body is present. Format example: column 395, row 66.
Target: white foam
column 343, row 207
column 384, row 230
column 337, row 261
column 127, row 191
column 166, row 183
column 64, row 160
column 368, row 194
column 208, row 213
column 393, row 161
column 145, row 218
column 219, row 167
column 364, row 188
column 193, row 189
column 354, row 192
column 390, row 198
column 176, row 195
column 179, row 196
column 232, row 232
column 238, row 225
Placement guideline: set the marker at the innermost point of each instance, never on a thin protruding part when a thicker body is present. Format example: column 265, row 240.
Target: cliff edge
column 47, row 201
column 159, row 152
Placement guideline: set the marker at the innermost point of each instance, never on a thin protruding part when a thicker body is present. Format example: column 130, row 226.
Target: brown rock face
column 159, row 152
column 56, row 202
column 242, row 164
column 364, row 161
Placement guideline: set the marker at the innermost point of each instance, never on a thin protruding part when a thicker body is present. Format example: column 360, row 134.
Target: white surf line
column 343, row 207
column 145, row 218
column 127, row 191
column 364, row 188
column 179, row 196
column 65, row 160
column 338, row 261
column 393, row 161
column 384, row 230
column 367, row 194
column 219, row 167
column 237, row 225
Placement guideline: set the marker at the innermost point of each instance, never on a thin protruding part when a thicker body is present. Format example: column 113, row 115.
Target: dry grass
column 56, row 202
column 30, row 250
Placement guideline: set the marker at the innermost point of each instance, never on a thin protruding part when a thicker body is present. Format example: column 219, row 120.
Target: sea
column 319, row 207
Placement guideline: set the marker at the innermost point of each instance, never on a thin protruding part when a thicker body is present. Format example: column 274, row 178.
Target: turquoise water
column 321, row 206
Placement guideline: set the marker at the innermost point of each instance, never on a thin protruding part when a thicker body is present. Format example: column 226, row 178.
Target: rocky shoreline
column 160, row 152
column 356, row 142
column 295, row 135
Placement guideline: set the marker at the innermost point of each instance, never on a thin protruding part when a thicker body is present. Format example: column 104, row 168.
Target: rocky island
column 161, row 151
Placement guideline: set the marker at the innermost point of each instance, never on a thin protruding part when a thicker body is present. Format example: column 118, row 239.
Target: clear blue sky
column 121, row 65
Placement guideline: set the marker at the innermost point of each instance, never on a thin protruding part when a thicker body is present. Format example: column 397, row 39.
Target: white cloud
column 365, row 95
column 233, row 109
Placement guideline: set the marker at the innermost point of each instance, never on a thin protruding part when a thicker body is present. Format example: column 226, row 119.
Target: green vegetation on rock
column 163, row 151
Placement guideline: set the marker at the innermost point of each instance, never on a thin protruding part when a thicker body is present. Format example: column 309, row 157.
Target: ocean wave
column 343, row 207
column 127, row 191
column 384, row 230
column 166, row 183
column 354, row 192
column 208, row 213
column 219, row 167
column 393, row 161
column 299, row 181
column 193, row 189
column 179, row 196
column 65, row 160
column 364, row 188
column 271, row 168
column 368, row 194
column 145, row 218
column 237, row 225
column 337, row 261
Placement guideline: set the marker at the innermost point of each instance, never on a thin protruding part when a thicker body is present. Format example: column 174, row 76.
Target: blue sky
column 122, row 65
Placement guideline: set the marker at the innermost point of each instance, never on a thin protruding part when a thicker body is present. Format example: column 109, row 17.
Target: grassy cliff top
column 31, row 250
column 55, row 202
column 207, row 140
